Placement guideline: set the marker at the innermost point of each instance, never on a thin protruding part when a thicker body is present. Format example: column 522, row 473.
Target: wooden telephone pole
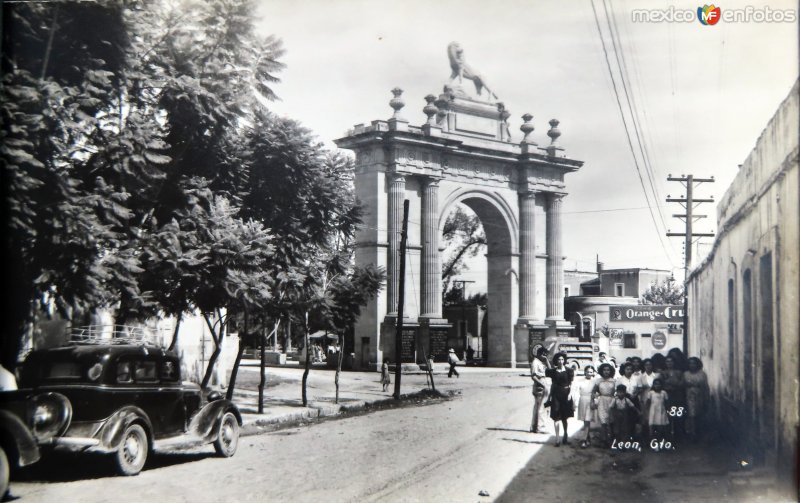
column 398, row 338
column 689, row 202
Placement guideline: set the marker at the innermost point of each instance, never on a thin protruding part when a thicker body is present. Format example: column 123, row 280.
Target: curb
column 310, row 413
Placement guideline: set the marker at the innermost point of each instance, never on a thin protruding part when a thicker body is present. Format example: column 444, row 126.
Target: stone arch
column 500, row 226
column 492, row 209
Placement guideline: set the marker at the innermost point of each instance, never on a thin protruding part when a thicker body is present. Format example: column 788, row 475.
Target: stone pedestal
column 433, row 338
column 410, row 342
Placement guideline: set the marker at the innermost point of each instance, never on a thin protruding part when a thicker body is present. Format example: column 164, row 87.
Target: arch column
column 397, row 189
column 431, row 267
column 555, row 263
column 527, row 256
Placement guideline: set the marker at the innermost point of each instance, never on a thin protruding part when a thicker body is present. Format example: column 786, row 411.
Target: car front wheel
column 132, row 451
column 228, row 436
column 4, row 474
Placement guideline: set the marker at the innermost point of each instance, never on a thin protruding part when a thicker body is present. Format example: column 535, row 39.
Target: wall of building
column 574, row 278
column 597, row 308
column 636, row 281
column 743, row 298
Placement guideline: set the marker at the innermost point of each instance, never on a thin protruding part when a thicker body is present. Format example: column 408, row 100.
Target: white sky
column 704, row 94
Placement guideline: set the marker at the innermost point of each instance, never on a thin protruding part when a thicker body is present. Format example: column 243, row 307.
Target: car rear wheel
column 132, row 451
column 4, row 473
column 227, row 436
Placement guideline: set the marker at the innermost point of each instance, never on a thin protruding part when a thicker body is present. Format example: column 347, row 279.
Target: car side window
column 124, row 372
column 145, row 371
column 169, row 371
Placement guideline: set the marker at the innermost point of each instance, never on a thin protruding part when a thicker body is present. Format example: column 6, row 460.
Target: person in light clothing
column 587, row 410
column 541, row 389
column 452, row 359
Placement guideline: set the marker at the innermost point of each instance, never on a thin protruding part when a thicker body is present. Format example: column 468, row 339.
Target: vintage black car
column 17, row 447
column 122, row 399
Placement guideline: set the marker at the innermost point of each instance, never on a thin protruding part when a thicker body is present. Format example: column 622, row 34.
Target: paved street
column 444, row 451
column 448, row 451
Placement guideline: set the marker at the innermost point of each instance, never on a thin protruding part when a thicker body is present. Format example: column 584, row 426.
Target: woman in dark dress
column 561, row 406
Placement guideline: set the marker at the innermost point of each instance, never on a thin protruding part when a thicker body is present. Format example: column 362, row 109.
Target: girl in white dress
column 586, row 412
column 646, row 382
column 658, row 404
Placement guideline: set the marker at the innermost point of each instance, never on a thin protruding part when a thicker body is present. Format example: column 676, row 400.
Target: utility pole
column 689, row 203
column 464, row 309
column 398, row 338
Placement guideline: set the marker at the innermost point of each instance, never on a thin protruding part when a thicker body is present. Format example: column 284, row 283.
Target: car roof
column 95, row 351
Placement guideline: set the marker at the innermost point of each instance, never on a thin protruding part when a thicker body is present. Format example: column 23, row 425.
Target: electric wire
column 631, row 100
column 628, row 136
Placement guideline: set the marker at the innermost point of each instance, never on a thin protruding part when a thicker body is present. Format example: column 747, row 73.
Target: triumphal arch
column 462, row 153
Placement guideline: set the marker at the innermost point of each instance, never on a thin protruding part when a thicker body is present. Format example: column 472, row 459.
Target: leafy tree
column 66, row 239
column 463, row 237
column 667, row 292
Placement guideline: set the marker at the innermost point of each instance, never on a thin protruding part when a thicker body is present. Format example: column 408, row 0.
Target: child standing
column 603, row 394
column 622, row 412
column 586, row 409
column 386, row 378
column 657, row 406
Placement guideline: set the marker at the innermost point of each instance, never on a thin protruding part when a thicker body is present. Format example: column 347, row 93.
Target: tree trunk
column 308, row 361
column 263, row 368
column 215, row 354
column 235, row 370
column 339, row 366
column 175, row 332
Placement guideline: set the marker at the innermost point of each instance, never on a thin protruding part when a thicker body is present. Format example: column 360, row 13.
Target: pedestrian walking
column 561, row 405
column 541, row 389
column 386, row 378
column 452, row 359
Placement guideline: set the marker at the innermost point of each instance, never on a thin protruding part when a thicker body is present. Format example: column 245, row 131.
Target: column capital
column 556, row 196
column 529, row 193
column 396, row 177
column 431, row 181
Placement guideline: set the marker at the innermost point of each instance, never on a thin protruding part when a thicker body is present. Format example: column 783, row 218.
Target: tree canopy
column 667, row 292
column 463, row 237
column 142, row 171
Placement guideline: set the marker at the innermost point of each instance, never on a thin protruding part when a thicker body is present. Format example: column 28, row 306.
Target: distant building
column 607, row 311
column 468, row 327
column 744, row 297
column 573, row 281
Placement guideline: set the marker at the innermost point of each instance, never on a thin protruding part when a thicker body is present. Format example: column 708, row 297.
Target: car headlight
column 50, row 415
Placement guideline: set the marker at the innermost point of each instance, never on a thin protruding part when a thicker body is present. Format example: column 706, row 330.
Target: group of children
column 652, row 398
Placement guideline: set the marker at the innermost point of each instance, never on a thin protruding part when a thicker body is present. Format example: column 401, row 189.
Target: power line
column 628, row 135
column 619, row 53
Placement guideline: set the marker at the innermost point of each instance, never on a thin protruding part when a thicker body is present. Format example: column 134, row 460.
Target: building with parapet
column 743, row 300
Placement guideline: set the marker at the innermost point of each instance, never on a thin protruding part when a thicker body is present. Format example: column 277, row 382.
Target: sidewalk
column 357, row 391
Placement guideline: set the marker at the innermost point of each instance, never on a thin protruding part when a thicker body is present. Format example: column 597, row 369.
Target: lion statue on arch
column 461, row 70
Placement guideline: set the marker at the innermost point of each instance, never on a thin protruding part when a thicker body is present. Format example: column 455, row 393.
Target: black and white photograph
column 418, row 251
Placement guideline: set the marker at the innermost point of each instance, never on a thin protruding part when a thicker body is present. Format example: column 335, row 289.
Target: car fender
column 204, row 424
column 16, row 435
column 110, row 435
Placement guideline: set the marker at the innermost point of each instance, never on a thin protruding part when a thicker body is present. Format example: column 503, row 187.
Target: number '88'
column 675, row 411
